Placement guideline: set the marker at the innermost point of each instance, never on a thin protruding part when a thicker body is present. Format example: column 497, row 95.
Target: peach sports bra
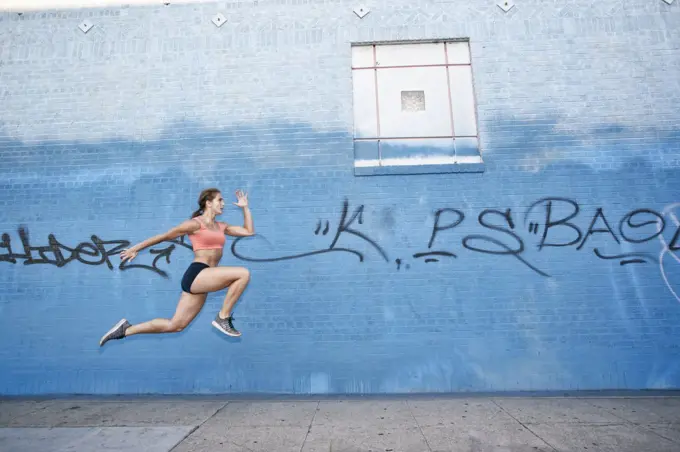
column 208, row 239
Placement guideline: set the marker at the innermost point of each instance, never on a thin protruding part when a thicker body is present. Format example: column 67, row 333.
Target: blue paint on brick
column 87, row 156
column 454, row 321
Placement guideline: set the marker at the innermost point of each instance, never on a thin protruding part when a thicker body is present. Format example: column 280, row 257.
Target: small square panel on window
column 413, row 101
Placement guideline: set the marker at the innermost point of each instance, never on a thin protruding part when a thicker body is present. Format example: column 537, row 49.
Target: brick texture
column 109, row 136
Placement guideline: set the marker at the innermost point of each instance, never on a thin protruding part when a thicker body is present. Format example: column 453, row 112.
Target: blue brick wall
column 109, row 136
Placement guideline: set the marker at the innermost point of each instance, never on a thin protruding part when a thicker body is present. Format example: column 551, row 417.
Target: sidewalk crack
column 191, row 432
column 419, row 427
column 523, row 425
column 309, row 428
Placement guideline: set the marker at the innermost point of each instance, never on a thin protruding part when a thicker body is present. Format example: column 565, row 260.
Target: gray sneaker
column 117, row 332
column 225, row 325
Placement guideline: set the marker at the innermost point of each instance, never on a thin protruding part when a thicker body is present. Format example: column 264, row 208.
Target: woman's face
column 217, row 204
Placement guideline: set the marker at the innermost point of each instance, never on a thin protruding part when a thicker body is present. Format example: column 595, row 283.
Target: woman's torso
column 208, row 257
column 208, row 242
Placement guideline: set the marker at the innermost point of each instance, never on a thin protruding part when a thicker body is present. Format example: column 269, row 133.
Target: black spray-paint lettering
column 502, row 248
column 53, row 253
column 344, row 227
column 498, row 248
column 437, row 228
column 627, row 258
column 429, row 255
column 591, row 230
column 551, row 223
column 432, row 256
column 628, row 220
column 631, row 228
column 96, row 252
column 163, row 253
column 674, row 245
column 7, row 245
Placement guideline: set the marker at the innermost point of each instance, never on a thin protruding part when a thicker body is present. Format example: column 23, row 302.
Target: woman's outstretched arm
column 186, row 227
column 248, row 228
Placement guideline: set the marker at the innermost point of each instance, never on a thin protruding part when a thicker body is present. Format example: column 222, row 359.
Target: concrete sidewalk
column 413, row 423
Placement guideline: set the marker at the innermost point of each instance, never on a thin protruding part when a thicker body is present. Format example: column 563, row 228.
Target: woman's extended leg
column 217, row 278
column 188, row 307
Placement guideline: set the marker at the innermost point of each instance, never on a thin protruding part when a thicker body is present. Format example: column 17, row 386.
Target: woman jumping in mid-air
column 207, row 237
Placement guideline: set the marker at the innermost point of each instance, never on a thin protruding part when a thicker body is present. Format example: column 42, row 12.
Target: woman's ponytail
column 206, row 195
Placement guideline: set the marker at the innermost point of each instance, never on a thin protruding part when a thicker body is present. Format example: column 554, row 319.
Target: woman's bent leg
column 217, row 278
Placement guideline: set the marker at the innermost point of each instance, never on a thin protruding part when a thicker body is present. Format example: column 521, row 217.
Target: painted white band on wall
column 32, row 5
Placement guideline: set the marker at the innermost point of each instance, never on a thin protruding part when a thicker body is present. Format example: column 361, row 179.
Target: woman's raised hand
column 242, row 199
